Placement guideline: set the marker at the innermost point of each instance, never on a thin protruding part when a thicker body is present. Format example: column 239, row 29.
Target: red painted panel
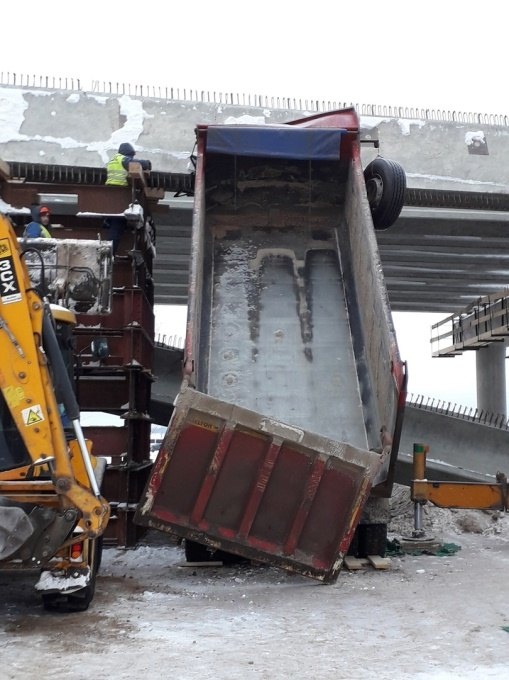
column 329, row 516
column 230, row 478
column 282, row 498
column 186, row 470
column 235, row 480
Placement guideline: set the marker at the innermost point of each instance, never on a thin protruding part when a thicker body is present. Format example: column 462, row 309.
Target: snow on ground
column 426, row 618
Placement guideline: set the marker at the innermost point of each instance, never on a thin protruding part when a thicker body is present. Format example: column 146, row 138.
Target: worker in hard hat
column 39, row 227
column 118, row 166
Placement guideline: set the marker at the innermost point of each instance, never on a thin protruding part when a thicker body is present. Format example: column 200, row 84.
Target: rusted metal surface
column 184, row 183
column 130, row 309
column 116, row 390
column 70, row 174
column 124, row 483
column 107, row 441
column 119, row 382
column 263, row 489
column 90, row 200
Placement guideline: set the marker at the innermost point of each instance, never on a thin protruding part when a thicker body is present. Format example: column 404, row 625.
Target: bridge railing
column 484, row 321
column 449, row 408
column 9, row 79
column 169, row 341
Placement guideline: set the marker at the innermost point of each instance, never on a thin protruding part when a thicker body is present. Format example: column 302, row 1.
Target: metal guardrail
column 471, row 200
column 448, row 408
column 484, row 321
column 169, row 341
column 33, row 81
column 70, row 174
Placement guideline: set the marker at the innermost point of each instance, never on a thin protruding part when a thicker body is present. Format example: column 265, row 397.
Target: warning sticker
column 5, row 248
column 32, row 415
column 9, row 287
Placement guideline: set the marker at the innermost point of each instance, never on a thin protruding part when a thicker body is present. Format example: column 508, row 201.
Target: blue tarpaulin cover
column 275, row 141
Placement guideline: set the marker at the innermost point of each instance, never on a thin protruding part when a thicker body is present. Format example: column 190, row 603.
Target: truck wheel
column 372, row 539
column 80, row 600
column 196, row 552
column 385, row 187
column 353, row 548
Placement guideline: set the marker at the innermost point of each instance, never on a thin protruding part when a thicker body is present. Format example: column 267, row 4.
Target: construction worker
column 39, row 227
column 117, row 167
column 116, row 176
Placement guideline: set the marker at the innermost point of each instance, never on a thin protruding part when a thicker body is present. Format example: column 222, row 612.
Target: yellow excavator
column 52, row 514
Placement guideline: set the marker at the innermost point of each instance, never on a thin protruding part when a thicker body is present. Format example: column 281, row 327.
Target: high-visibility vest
column 116, row 173
column 36, row 230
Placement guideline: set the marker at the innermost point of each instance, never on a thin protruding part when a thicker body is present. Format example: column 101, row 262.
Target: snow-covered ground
column 426, row 618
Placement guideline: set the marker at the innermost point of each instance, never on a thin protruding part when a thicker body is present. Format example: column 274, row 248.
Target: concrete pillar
column 491, row 387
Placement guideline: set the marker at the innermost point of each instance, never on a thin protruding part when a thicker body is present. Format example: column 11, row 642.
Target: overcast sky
column 439, row 53
column 445, row 54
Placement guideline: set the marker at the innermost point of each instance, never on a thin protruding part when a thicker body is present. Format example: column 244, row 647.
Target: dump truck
column 284, row 436
column 52, row 513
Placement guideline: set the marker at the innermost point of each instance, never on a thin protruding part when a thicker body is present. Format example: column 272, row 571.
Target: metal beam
column 445, row 251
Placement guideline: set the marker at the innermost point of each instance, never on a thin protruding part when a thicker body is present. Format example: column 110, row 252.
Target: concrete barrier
column 67, row 125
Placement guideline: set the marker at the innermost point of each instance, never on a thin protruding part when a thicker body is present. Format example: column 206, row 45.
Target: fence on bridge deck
column 448, row 408
column 34, row 81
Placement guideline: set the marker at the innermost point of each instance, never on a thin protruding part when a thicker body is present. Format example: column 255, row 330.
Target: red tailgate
column 236, row 480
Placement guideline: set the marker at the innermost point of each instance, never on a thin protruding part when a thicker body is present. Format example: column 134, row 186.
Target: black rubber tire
column 385, row 186
column 81, row 599
column 372, row 539
column 353, row 548
column 98, row 557
column 196, row 552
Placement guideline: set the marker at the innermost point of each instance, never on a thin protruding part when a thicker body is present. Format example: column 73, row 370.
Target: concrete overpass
column 448, row 248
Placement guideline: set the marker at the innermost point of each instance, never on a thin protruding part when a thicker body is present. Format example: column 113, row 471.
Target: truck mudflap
column 239, row 481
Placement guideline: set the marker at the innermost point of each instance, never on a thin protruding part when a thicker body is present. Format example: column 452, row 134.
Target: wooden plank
column 379, row 562
column 200, row 564
column 136, row 174
column 354, row 563
column 154, row 193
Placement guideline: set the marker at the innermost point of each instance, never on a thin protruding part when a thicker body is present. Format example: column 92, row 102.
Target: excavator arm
column 39, row 467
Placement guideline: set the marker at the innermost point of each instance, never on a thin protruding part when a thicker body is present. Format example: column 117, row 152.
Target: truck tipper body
column 285, row 432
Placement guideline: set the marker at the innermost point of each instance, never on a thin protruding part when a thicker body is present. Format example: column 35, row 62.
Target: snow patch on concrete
column 12, row 114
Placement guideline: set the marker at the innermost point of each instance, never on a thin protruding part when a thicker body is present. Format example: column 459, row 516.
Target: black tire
column 385, row 187
column 372, row 539
column 81, row 599
column 196, row 552
column 353, row 548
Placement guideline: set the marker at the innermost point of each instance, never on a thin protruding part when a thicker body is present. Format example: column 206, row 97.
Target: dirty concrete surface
column 426, row 617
